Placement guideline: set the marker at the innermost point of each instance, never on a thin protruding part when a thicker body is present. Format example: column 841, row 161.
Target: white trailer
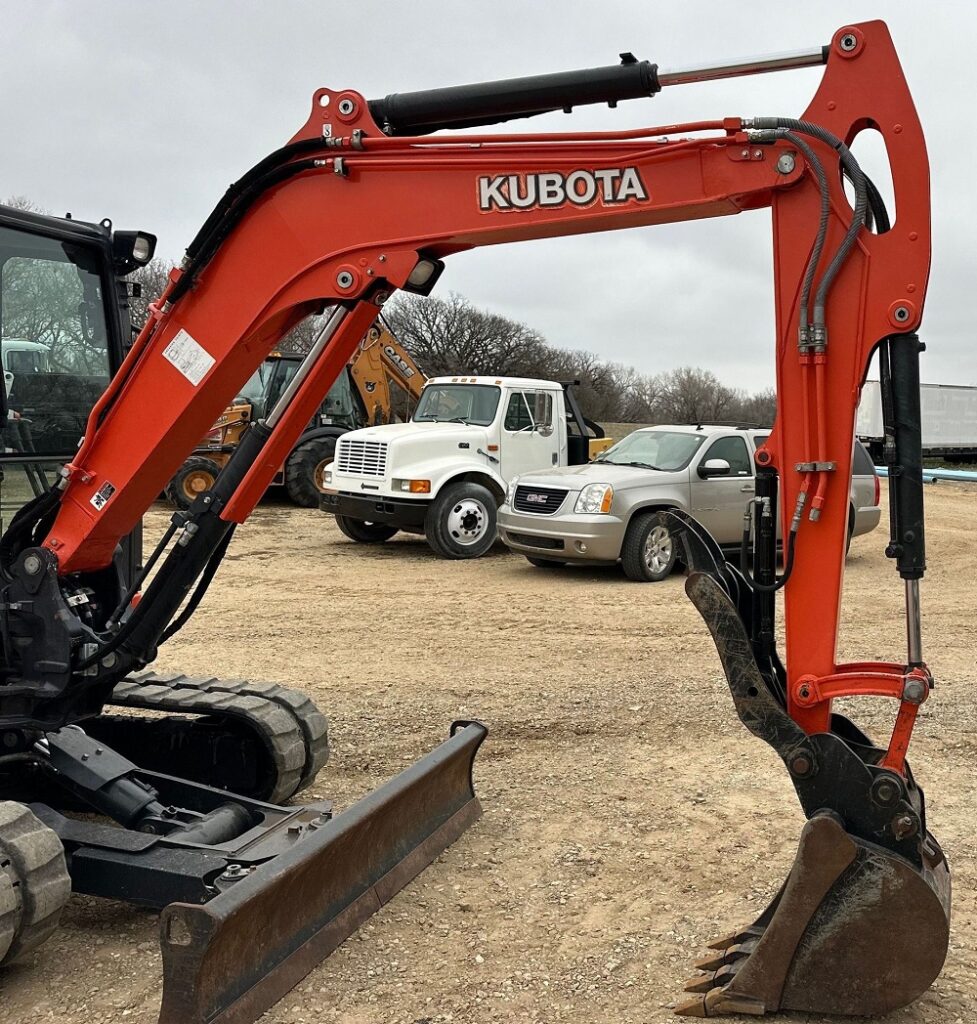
column 949, row 421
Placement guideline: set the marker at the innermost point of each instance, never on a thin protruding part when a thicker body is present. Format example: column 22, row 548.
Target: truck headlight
column 510, row 492
column 412, row 486
column 327, row 475
column 595, row 498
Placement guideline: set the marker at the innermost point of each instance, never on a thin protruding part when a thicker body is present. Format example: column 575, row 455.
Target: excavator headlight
column 131, row 249
column 413, row 486
column 595, row 498
column 424, row 276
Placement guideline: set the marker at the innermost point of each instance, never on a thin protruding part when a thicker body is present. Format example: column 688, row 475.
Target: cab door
column 718, row 502
column 528, row 440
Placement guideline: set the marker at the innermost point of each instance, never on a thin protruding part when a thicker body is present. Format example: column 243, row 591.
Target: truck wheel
column 544, row 563
column 195, row 476
column 649, row 550
column 363, row 532
column 461, row 523
column 34, row 881
column 303, row 470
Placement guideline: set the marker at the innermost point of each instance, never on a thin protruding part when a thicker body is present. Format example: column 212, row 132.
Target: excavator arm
column 360, row 203
column 381, row 361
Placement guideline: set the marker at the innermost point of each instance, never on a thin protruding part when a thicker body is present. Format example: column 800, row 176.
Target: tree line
column 453, row 336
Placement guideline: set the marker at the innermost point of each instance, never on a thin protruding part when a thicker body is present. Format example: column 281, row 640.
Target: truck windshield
column 666, row 450
column 458, row 403
column 54, row 341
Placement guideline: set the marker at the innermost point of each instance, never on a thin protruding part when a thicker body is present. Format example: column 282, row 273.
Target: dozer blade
column 856, row 930
column 861, row 925
column 228, row 960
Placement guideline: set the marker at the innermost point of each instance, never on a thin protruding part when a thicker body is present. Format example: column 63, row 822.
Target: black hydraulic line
column 211, row 242
column 234, row 192
column 484, row 103
column 779, row 584
column 201, row 589
column 825, row 212
column 197, row 552
column 116, row 615
column 850, row 164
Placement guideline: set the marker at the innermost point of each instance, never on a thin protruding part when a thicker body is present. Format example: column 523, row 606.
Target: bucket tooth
column 692, row 1008
column 728, row 955
column 719, row 1001
column 754, row 931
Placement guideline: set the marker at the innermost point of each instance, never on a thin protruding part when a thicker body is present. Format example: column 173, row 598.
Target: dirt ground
column 629, row 817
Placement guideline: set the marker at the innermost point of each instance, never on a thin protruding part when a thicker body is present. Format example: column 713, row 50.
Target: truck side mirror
column 714, row 467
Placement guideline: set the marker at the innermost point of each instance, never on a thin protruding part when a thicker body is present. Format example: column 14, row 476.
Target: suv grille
column 543, row 501
column 361, row 458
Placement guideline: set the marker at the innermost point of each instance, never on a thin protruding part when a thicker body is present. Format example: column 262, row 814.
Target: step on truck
column 445, row 473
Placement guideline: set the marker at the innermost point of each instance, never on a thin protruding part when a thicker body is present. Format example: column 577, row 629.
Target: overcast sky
column 144, row 110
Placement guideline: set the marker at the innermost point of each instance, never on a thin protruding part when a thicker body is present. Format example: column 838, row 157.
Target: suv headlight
column 510, row 492
column 595, row 498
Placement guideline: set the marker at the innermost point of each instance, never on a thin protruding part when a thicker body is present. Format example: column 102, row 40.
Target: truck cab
column 445, row 473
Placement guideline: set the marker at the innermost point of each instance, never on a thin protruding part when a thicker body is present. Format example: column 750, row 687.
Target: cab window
column 527, row 410
column 734, row 451
column 517, row 414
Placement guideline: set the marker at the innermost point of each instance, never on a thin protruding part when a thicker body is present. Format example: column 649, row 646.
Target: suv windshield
column 654, row 449
column 457, row 403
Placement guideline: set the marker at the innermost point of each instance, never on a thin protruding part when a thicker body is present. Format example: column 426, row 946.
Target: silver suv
column 609, row 510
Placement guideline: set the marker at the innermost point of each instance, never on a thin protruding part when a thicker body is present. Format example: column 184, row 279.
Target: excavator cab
column 187, row 809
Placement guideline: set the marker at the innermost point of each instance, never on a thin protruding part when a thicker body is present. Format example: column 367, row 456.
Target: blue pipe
column 932, row 475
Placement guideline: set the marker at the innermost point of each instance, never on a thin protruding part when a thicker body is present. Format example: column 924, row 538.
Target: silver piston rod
column 323, row 338
column 738, row 68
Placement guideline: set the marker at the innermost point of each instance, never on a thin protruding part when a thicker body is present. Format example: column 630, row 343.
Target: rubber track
column 299, row 749
column 34, row 881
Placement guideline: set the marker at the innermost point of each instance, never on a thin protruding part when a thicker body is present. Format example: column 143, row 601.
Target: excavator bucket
column 858, row 928
column 855, row 930
column 228, row 960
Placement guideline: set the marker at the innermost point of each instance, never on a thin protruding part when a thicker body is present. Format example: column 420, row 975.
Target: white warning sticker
column 101, row 497
column 189, row 357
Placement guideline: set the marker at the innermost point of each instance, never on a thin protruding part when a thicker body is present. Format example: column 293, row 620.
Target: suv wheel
column 649, row 550
column 461, row 522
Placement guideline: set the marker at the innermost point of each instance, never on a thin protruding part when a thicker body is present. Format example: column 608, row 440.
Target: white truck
column 444, row 474
column 949, row 421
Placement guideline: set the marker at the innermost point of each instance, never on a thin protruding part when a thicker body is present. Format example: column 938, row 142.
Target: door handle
column 747, row 487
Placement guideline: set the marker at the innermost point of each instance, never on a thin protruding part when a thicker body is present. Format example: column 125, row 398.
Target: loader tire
column 34, row 881
column 193, row 478
column 303, row 470
column 461, row 522
column 649, row 550
column 363, row 532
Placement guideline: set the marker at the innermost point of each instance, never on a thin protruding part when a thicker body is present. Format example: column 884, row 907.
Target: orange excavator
column 380, row 384
column 362, row 201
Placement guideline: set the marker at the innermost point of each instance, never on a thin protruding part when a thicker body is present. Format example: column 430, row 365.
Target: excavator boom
column 362, row 202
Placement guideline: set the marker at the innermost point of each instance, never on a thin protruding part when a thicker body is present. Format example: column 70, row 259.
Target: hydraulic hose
column 767, row 588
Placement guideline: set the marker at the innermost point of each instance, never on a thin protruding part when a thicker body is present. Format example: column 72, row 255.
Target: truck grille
column 543, row 501
column 361, row 458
